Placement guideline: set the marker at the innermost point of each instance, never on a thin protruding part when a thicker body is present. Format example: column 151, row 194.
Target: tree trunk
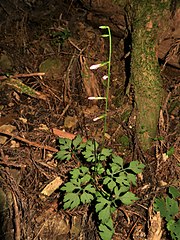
column 145, row 68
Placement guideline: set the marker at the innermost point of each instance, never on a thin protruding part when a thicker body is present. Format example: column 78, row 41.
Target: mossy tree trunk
column 145, row 68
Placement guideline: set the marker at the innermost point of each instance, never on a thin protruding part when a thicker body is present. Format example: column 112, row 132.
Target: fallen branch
column 35, row 144
column 22, row 75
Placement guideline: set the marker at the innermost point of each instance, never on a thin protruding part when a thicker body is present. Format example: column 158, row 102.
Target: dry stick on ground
column 16, row 219
column 22, row 75
column 35, row 144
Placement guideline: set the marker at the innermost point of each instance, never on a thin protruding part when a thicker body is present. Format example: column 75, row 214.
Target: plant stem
column 108, row 82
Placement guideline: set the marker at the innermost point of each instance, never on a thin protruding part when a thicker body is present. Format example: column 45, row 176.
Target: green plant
column 101, row 180
column 59, row 37
column 106, row 77
column 168, row 208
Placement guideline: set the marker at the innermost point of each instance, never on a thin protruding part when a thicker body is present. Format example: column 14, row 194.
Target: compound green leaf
column 160, row 206
column 118, row 191
column 128, row 198
column 105, row 152
column 75, row 173
column 136, row 166
column 174, row 228
column 118, row 160
column 122, row 179
column 63, row 155
column 86, row 197
column 171, row 207
column 102, row 202
column 111, row 185
column 170, row 152
column 89, row 155
column 168, row 207
column 77, row 141
column 98, row 168
column 84, row 170
column 174, row 192
column 69, row 187
column 104, row 214
column 106, row 231
column 86, row 178
column 107, row 180
column 90, row 188
column 71, row 200
column 115, row 168
column 131, row 178
column 65, row 143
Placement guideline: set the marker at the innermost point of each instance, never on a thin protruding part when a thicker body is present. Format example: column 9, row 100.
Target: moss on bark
column 145, row 69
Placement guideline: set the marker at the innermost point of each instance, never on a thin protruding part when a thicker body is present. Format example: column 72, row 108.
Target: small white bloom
column 105, row 77
column 98, row 118
column 96, row 98
column 96, row 66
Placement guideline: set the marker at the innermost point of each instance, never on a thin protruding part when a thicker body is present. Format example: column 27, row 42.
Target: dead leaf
column 70, row 122
column 155, row 230
column 52, row 186
column 89, row 79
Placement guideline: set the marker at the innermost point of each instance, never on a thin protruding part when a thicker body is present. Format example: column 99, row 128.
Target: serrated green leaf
column 98, row 168
column 174, row 228
column 83, row 170
column 91, row 145
column 119, row 190
column 90, row 188
column 75, row 173
column 106, row 180
column 170, row 152
column 131, row 178
column 111, row 185
column 115, row 168
column 63, row 155
column 106, row 231
column 88, row 153
column 104, row 214
column 76, row 181
column 109, row 172
column 136, row 167
column 174, row 192
column 71, row 200
column 76, row 141
column 118, row 160
column 69, row 187
column 128, row 198
column 122, row 179
column 168, row 207
column 160, row 206
column 171, row 207
column 89, row 156
column 86, row 197
column 65, row 143
column 105, row 152
column 101, row 202
column 86, row 178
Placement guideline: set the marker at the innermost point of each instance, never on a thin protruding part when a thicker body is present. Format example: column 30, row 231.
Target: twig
column 35, row 144
column 22, row 75
column 16, row 219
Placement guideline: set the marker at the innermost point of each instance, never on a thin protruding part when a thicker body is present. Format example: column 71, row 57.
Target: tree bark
column 145, row 68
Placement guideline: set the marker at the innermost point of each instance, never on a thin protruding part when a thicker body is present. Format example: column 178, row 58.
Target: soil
column 47, row 50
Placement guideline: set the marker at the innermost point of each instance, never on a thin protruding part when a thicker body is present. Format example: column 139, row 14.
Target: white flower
column 105, row 77
column 96, row 66
column 96, row 98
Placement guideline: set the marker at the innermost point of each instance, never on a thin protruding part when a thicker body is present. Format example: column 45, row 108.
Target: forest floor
column 37, row 109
